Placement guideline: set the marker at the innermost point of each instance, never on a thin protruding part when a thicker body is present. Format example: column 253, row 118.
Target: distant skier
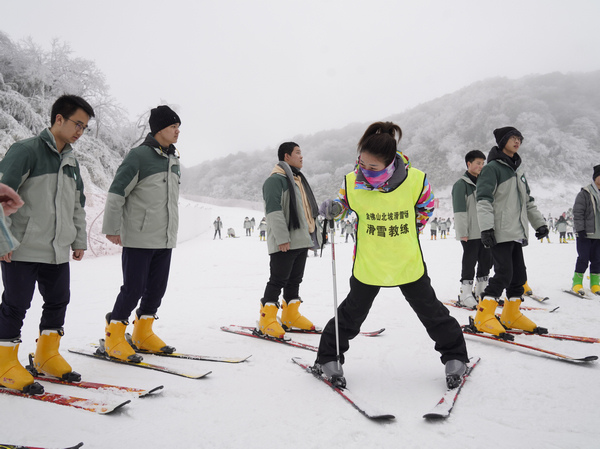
column 252, row 223
column 349, row 227
column 561, row 227
column 504, row 211
column 248, row 226
column 433, row 225
column 392, row 201
column 464, row 204
column 218, row 224
column 442, row 227
column 262, row 227
column 586, row 214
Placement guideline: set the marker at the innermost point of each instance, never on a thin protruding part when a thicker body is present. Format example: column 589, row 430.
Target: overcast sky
column 250, row 74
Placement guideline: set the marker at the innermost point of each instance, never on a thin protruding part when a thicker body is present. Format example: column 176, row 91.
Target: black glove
column 488, row 238
column 542, row 232
column 582, row 234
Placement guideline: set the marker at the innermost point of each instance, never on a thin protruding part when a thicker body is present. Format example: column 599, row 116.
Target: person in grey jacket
column 504, row 210
column 468, row 233
column 586, row 216
column 218, row 224
column 292, row 228
column 142, row 215
column 51, row 225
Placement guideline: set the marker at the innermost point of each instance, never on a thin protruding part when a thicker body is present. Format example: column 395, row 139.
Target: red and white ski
column 91, row 405
column 251, row 332
column 444, row 407
column 364, row 409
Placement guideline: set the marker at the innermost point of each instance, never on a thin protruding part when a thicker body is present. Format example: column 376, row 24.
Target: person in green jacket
column 45, row 173
column 142, row 215
column 292, row 228
column 505, row 209
column 467, row 229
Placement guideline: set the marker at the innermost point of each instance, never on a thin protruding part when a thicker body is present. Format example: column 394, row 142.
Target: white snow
column 512, row 399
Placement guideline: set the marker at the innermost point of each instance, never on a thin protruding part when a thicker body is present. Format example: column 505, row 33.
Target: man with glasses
column 504, row 211
column 51, row 224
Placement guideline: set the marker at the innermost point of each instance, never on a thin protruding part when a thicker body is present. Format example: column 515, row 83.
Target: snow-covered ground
column 513, row 398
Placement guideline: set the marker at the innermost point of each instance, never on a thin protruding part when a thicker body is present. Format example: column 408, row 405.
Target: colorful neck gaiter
column 378, row 178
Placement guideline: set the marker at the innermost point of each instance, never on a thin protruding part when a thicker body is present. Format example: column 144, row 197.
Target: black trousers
column 145, row 276
column 287, row 271
column 474, row 253
column 19, row 284
column 352, row 312
column 588, row 252
column 510, row 273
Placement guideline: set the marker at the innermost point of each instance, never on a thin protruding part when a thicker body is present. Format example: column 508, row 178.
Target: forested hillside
column 559, row 115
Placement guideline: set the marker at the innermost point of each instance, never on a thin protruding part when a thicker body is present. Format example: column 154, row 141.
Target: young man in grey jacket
column 292, row 228
column 586, row 216
column 45, row 173
column 504, row 210
column 468, row 233
column 141, row 214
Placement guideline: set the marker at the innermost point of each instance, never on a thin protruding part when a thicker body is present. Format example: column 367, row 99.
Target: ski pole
column 335, row 305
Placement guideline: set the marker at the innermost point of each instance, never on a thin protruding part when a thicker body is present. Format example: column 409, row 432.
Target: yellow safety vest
column 388, row 252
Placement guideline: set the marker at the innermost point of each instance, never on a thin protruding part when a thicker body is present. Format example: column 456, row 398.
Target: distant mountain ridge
column 558, row 114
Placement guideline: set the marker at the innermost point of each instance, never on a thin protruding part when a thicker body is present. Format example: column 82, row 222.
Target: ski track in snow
column 513, row 399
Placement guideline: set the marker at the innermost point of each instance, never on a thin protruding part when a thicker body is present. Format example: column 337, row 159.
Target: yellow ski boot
column 268, row 324
column 12, row 374
column 115, row 344
column 48, row 360
column 291, row 317
column 527, row 289
column 512, row 318
column 144, row 338
column 485, row 319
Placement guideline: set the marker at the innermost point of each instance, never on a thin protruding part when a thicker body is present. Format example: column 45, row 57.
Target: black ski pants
column 19, row 284
column 443, row 329
column 510, row 273
column 287, row 271
column 588, row 253
column 474, row 253
column 145, row 276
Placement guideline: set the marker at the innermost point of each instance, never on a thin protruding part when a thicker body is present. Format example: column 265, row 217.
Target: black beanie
column 161, row 117
column 503, row 134
column 596, row 172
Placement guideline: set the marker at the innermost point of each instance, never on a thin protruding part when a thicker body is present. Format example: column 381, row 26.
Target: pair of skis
column 472, row 331
column 458, row 305
column 102, row 407
column 440, row 411
column 586, row 295
column 250, row 331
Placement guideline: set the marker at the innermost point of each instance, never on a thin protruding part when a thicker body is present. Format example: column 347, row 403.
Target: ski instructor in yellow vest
column 393, row 201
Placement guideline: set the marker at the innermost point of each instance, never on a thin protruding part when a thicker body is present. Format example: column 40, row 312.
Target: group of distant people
column 249, row 224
